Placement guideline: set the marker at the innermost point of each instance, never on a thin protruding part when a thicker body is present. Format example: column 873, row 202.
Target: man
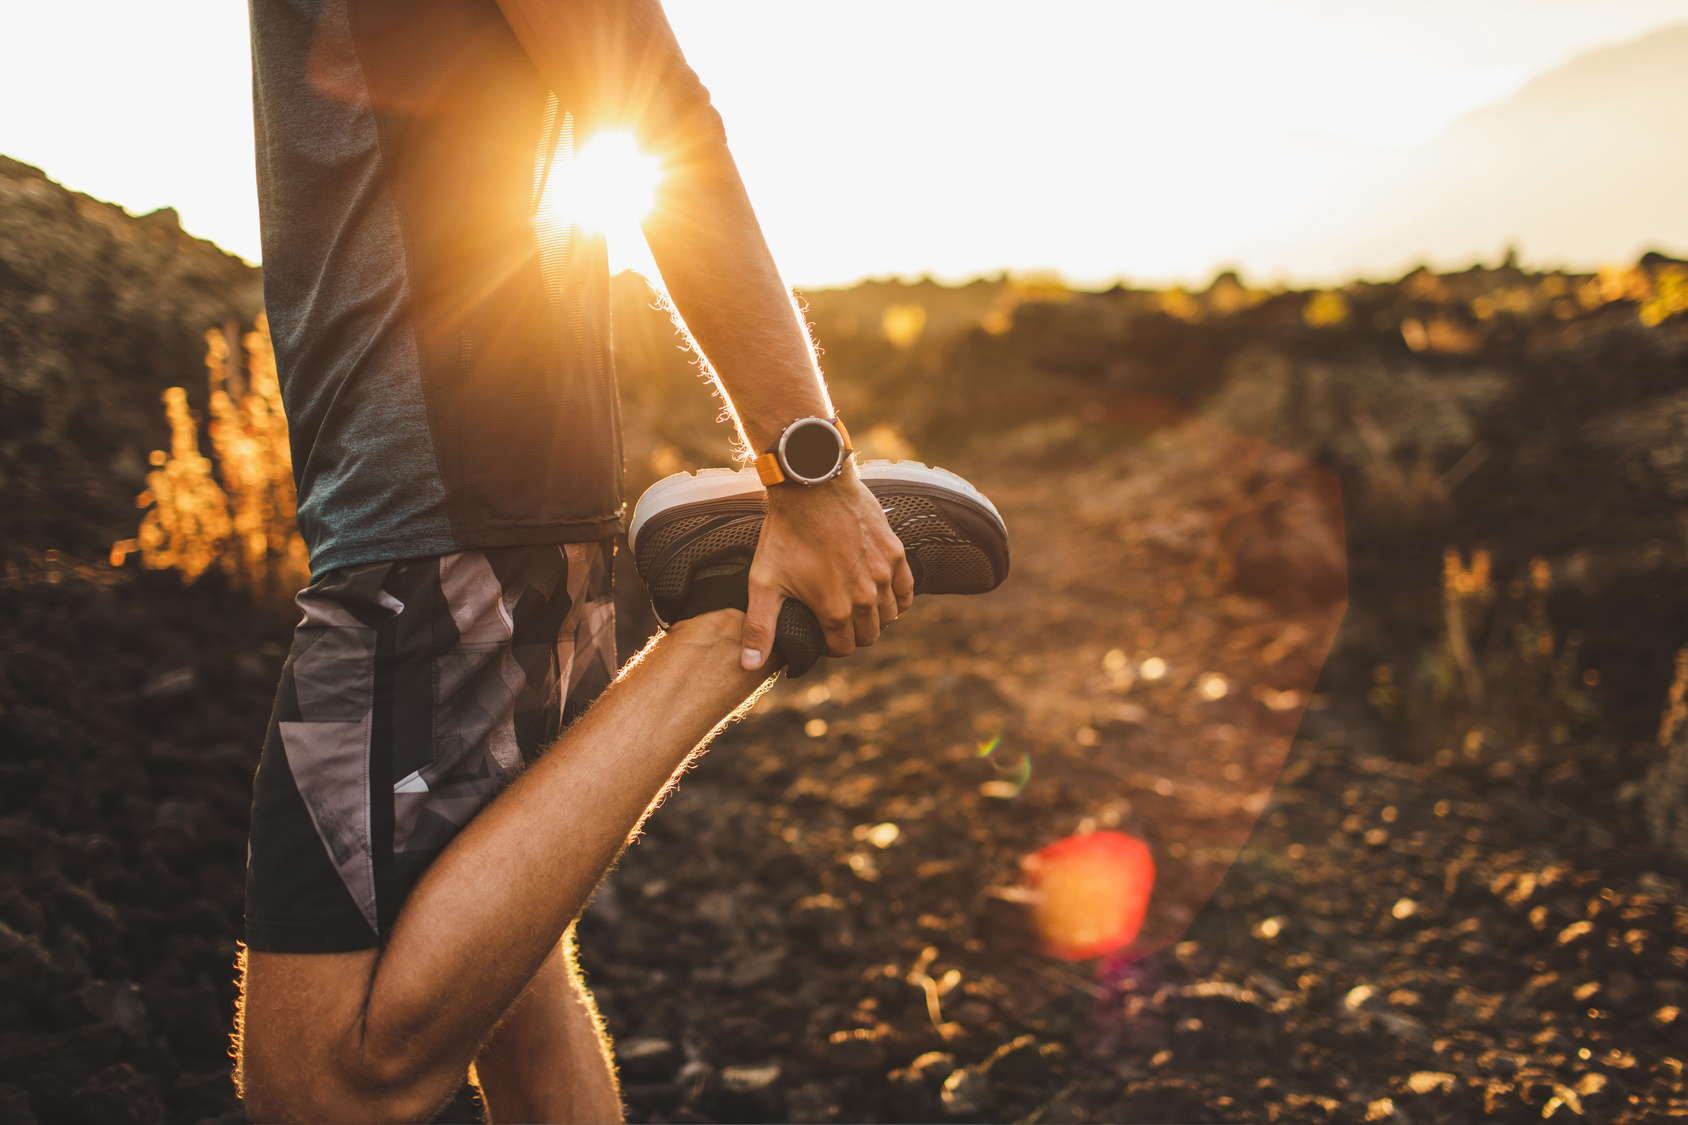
column 424, row 829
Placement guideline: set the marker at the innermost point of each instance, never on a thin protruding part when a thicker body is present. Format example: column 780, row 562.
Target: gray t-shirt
column 445, row 364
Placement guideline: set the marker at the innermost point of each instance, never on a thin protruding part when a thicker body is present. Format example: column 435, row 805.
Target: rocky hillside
column 99, row 313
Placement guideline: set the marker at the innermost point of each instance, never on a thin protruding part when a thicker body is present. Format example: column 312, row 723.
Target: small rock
column 120, row 1095
column 928, row 1066
column 756, row 968
column 720, row 907
column 170, row 685
column 748, row 1079
column 14, row 1106
column 1021, row 1062
column 815, row 1101
column 965, row 1092
column 855, row 1049
column 646, row 1059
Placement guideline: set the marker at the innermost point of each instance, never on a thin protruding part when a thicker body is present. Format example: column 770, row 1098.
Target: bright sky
column 1100, row 139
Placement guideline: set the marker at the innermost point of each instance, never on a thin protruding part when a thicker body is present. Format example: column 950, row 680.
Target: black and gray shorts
column 414, row 693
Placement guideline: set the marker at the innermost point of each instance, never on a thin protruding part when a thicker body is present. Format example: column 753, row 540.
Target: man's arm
column 617, row 64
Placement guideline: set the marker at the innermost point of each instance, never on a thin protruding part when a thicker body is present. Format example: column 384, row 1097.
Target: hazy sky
column 1102, row 139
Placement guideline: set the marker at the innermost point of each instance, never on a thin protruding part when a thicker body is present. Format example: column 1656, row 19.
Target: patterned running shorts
column 414, row 693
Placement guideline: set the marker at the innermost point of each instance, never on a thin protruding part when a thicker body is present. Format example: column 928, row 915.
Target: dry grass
column 238, row 513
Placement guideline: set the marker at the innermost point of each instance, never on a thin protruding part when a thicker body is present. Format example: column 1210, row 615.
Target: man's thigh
column 297, row 1035
column 415, row 691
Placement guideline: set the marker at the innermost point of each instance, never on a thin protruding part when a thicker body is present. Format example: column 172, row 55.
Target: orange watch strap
column 843, row 433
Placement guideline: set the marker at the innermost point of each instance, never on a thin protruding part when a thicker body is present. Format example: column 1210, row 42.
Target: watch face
column 812, row 449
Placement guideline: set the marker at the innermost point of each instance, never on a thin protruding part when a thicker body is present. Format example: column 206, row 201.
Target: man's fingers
column 760, row 618
column 866, row 622
column 888, row 608
column 839, row 625
column 902, row 584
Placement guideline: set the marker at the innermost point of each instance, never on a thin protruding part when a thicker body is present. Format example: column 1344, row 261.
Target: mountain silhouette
column 1585, row 164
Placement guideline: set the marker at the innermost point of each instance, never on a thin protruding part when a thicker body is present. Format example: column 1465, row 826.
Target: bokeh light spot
column 883, row 835
column 1092, row 892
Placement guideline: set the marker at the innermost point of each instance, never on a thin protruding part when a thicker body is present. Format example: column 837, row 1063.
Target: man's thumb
column 760, row 618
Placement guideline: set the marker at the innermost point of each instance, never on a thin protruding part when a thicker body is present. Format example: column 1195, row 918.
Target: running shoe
column 694, row 535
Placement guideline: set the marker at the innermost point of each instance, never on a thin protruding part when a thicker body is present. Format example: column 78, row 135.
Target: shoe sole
column 967, row 551
column 708, row 485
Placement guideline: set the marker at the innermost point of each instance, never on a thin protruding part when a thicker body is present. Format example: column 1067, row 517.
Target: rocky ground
column 821, row 924
column 1388, row 891
column 1398, row 940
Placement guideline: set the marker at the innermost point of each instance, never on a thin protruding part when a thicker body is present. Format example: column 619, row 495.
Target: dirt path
column 831, row 896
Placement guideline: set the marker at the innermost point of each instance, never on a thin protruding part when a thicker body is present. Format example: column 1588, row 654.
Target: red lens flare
column 1092, row 892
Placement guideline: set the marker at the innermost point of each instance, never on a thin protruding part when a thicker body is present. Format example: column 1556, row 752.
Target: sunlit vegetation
column 1022, row 289
column 1325, row 310
column 1505, row 689
column 237, row 514
column 903, row 324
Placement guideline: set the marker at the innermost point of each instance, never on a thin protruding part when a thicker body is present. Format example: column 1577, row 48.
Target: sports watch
column 811, row 450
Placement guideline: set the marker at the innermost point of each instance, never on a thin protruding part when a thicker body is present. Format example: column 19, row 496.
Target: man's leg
column 549, row 1059
column 389, row 1034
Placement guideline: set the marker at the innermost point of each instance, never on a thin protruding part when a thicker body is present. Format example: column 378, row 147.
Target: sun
column 607, row 187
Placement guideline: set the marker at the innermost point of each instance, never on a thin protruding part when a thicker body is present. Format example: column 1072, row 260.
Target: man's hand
column 831, row 548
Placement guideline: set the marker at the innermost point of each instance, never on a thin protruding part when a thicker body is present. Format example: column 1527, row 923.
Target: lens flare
column 1091, row 893
column 1014, row 777
column 607, row 187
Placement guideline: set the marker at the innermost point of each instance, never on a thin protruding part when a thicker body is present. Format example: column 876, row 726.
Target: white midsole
column 727, row 484
column 913, row 472
column 690, row 488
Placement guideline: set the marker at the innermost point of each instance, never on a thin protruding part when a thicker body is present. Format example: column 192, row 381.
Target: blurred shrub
column 903, row 324
column 1667, row 296
column 1325, row 310
column 1501, row 687
column 187, row 520
column 1037, row 287
column 244, row 523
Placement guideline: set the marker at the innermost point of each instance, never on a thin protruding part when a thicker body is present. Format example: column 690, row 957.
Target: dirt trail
column 1398, row 941
column 828, row 897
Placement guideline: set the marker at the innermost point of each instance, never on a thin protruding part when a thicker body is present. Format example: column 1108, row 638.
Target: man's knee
column 294, row 1079
column 300, row 1054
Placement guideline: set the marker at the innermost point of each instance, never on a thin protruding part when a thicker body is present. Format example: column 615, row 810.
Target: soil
column 1378, row 899
column 1395, row 939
